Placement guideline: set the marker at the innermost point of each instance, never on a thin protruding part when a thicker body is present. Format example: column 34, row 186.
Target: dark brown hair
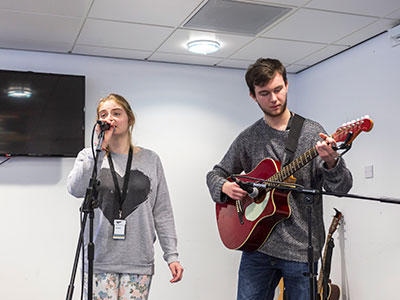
column 262, row 71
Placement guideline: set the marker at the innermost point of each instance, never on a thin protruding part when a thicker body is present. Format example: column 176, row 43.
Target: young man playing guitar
column 284, row 253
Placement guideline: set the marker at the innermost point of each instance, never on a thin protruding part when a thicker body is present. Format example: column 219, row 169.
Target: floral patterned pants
column 115, row 286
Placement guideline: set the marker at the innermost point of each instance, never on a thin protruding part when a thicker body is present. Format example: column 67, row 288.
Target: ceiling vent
column 235, row 17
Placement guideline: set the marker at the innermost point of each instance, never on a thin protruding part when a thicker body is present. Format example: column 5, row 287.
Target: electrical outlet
column 369, row 172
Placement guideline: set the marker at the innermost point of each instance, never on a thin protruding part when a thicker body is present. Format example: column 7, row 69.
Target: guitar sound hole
column 261, row 196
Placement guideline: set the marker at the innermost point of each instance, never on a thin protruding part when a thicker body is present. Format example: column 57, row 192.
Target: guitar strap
column 295, row 125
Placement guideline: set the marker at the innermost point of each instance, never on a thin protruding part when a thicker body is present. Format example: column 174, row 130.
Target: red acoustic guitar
column 246, row 224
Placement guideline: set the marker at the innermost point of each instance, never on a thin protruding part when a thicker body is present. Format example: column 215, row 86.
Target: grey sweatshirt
column 289, row 238
column 147, row 210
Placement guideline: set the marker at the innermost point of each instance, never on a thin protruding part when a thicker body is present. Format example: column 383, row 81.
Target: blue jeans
column 259, row 275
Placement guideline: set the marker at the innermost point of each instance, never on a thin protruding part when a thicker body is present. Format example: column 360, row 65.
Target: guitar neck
column 295, row 165
column 321, row 270
column 332, row 229
column 347, row 133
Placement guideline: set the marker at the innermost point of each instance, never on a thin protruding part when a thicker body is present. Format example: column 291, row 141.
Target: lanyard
column 121, row 198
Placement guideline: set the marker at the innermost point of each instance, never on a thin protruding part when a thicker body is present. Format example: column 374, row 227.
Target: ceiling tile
column 73, row 8
column 176, row 43
column 36, row 45
column 168, row 13
column 122, row 35
column 321, row 55
column 236, row 63
column 111, row 52
column 301, row 26
column 284, row 2
column 286, row 51
column 185, row 59
column 295, row 68
column 138, row 29
column 37, row 31
column 362, row 7
column 395, row 15
column 367, row 32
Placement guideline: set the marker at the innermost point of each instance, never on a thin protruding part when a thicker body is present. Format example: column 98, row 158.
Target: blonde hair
column 125, row 105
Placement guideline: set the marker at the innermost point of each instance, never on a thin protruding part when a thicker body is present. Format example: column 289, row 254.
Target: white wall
column 363, row 80
column 187, row 114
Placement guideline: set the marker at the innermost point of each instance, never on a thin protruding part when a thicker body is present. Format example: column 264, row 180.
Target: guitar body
column 260, row 215
column 332, row 294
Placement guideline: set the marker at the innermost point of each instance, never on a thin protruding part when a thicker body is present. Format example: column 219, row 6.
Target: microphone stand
column 89, row 203
column 309, row 198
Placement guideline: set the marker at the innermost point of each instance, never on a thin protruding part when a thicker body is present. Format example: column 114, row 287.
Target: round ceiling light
column 203, row 46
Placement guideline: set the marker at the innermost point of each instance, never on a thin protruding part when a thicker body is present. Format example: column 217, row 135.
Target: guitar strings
column 275, row 183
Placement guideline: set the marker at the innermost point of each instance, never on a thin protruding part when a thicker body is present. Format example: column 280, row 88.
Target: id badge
column 119, row 229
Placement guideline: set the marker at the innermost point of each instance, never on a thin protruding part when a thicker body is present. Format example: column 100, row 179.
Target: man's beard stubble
column 279, row 113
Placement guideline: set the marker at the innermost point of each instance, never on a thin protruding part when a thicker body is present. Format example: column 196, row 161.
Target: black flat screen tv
column 41, row 114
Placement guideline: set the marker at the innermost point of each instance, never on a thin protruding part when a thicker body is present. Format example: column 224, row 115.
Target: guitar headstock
column 354, row 127
column 335, row 221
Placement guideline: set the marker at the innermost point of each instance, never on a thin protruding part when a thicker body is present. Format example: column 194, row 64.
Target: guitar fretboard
column 295, row 165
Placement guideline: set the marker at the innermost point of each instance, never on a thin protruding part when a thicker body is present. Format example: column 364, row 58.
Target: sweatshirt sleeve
column 164, row 219
column 78, row 178
column 230, row 164
column 337, row 179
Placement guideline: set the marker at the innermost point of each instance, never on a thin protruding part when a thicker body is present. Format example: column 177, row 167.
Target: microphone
column 103, row 125
column 248, row 187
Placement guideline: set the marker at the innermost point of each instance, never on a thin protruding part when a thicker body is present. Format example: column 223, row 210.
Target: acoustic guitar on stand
column 333, row 291
column 246, row 224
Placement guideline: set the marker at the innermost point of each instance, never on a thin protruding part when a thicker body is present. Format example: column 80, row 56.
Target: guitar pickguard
column 254, row 210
